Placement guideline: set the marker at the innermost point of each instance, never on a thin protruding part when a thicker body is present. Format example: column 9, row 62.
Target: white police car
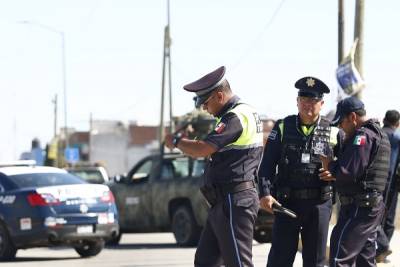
column 45, row 206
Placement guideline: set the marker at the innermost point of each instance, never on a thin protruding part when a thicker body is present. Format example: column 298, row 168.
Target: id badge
column 319, row 148
column 305, row 158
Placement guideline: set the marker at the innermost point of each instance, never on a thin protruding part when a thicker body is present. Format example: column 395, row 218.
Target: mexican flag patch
column 360, row 140
column 220, row 127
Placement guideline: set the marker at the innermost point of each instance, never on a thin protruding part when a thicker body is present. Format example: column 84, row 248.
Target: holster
column 210, row 194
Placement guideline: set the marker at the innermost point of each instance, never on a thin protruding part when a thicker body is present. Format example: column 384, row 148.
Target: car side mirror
column 119, row 178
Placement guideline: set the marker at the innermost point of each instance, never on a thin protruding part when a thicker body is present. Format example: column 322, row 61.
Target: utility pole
column 359, row 33
column 340, row 31
column 166, row 57
column 54, row 101
column 172, row 128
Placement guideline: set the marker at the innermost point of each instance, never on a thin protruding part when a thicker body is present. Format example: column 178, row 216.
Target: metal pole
column 61, row 33
column 169, row 70
column 340, row 31
column 55, row 115
column 90, row 136
column 359, row 33
column 65, row 90
column 161, row 129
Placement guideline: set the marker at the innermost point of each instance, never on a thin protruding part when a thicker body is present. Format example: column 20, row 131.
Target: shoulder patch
column 272, row 135
column 360, row 140
column 220, row 127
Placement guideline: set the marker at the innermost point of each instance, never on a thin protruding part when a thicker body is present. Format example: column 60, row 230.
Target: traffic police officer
column 361, row 171
column 294, row 146
column 234, row 149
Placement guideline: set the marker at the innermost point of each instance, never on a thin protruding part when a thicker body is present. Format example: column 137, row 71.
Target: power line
column 260, row 35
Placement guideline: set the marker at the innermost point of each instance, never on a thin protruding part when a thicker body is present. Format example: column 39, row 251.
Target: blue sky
column 114, row 57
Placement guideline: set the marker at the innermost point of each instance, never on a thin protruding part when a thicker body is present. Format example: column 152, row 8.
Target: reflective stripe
column 233, row 232
column 237, row 147
column 341, row 235
column 333, row 136
column 281, row 128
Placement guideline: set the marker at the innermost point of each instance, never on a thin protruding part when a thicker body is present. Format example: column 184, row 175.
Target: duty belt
column 323, row 193
column 235, row 187
column 362, row 200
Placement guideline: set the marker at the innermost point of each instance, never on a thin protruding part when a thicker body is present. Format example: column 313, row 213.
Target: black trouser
column 354, row 235
column 312, row 223
column 227, row 236
column 385, row 232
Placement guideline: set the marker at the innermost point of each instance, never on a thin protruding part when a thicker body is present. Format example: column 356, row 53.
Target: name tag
column 305, row 158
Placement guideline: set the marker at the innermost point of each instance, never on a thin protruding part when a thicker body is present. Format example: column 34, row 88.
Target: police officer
column 234, row 149
column 294, row 146
column 385, row 232
column 361, row 173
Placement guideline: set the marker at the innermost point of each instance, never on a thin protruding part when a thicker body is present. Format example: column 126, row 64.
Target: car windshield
column 91, row 176
column 45, row 179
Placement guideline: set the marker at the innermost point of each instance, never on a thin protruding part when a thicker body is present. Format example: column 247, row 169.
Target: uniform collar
column 228, row 106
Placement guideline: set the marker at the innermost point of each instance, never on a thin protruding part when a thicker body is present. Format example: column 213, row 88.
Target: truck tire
column 184, row 227
column 7, row 248
column 90, row 248
column 262, row 236
column 115, row 240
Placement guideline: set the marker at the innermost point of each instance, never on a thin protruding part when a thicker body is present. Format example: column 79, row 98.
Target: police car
column 46, row 206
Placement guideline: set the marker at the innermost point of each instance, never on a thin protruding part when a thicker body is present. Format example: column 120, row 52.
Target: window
column 45, row 179
column 198, row 167
column 143, row 171
column 91, row 176
column 167, row 171
column 181, row 167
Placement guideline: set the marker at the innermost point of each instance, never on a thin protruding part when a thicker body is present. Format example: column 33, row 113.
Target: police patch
column 359, row 140
column 272, row 135
column 220, row 127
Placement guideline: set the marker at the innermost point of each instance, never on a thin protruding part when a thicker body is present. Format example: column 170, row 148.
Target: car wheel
column 115, row 240
column 90, row 248
column 262, row 236
column 7, row 248
column 184, row 227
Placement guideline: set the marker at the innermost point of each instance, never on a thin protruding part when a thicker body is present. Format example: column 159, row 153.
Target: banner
column 347, row 74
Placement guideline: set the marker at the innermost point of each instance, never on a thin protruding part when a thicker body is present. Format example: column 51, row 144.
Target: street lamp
column 61, row 33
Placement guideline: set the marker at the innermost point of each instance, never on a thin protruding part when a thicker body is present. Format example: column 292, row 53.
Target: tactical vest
column 376, row 175
column 239, row 160
column 299, row 165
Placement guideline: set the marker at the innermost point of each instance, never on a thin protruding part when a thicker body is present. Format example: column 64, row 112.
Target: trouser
column 385, row 232
column 354, row 236
column 312, row 223
column 227, row 236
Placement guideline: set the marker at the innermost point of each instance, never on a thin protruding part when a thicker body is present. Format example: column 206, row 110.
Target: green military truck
column 161, row 194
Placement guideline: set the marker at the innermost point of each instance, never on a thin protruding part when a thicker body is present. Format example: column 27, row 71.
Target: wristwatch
column 177, row 138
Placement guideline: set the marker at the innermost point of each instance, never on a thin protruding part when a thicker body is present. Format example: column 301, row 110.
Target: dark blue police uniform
column 228, row 182
column 295, row 150
column 361, row 172
column 385, row 232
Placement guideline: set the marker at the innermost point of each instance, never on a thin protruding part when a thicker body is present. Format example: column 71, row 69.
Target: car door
column 166, row 186
column 133, row 198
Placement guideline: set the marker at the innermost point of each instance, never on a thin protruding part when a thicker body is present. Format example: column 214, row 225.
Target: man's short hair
column 224, row 87
column 361, row 112
column 392, row 117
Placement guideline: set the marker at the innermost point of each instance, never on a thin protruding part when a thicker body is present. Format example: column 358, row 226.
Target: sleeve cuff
column 263, row 188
